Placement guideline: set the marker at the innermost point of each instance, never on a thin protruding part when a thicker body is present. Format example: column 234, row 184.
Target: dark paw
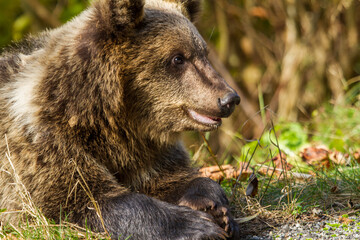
column 224, row 219
column 220, row 213
column 202, row 226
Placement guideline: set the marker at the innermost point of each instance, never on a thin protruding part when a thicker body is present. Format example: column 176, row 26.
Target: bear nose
column 227, row 103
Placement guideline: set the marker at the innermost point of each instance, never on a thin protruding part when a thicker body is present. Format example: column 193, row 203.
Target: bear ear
column 122, row 15
column 192, row 8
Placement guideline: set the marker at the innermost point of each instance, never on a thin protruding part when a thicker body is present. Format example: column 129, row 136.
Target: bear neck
column 121, row 147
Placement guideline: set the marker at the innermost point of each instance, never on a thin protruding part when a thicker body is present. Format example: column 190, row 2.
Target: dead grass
column 33, row 224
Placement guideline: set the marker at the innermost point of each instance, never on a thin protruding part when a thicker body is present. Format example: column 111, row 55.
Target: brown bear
column 92, row 112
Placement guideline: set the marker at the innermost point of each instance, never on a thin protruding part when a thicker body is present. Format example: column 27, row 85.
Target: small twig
column 211, row 153
column 273, row 227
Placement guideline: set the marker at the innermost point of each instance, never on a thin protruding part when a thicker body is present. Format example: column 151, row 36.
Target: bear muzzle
column 226, row 106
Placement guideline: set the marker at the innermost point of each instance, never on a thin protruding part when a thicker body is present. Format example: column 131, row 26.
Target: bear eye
column 178, row 60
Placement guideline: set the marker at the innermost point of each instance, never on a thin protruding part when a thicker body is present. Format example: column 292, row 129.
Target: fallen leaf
column 317, row 211
column 337, row 157
column 334, row 189
column 345, row 220
column 313, row 154
column 252, row 188
column 317, row 157
column 357, row 156
column 280, row 162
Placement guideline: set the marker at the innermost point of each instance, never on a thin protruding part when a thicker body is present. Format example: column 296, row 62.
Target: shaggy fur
column 95, row 108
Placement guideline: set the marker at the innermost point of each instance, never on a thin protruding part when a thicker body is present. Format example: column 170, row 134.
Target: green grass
column 48, row 230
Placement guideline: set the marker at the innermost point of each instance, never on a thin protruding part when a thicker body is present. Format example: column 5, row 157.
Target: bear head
column 159, row 78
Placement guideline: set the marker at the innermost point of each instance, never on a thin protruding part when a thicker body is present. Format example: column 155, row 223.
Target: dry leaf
column 252, row 188
column 318, row 157
column 337, row 157
column 334, row 189
column 345, row 220
column 281, row 163
column 357, row 156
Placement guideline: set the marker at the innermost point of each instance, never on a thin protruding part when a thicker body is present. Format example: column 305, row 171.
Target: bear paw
column 220, row 213
column 199, row 225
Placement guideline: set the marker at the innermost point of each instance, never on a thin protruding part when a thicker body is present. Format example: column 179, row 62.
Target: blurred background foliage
column 289, row 60
column 18, row 18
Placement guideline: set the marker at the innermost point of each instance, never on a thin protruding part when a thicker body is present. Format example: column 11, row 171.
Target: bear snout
column 227, row 103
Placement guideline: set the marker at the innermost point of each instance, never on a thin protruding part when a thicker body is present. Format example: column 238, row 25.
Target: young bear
column 92, row 112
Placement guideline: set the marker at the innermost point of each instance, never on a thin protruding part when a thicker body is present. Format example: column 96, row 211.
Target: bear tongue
column 204, row 119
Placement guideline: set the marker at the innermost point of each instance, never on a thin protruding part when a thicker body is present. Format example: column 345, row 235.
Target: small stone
column 286, row 228
column 317, row 211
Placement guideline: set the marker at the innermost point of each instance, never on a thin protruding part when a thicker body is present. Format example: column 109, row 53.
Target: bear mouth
column 204, row 119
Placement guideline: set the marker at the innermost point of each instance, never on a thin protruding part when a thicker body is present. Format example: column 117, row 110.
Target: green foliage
column 292, row 135
column 227, row 185
column 352, row 96
column 9, row 12
column 20, row 26
column 75, row 7
column 17, row 18
column 337, row 127
column 48, row 230
column 298, row 209
column 288, row 137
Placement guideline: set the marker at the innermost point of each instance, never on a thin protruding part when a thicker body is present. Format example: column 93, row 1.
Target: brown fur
column 101, row 100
